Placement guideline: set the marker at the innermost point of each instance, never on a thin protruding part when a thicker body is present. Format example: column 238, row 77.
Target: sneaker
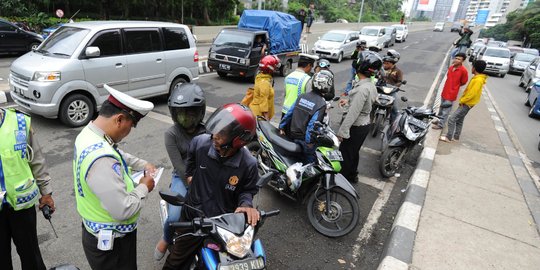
column 444, row 139
column 435, row 121
column 436, row 127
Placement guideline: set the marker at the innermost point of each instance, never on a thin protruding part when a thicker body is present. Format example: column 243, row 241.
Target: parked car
column 374, row 36
column 456, row 27
column 515, row 49
column 402, row 32
column 64, row 77
column 520, row 61
column 497, row 60
column 439, row 27
column 15, row 39
column 531, row 74
column 532, row 100
column 49, row 30
column 531, row 51
column 390, row 35
column 336, row 44
column 474, row 50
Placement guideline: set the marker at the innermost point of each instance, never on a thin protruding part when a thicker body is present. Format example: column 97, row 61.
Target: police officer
column 222, row 176
column 308, row 109
column 108, row 200
column 295, row 83
column 23, row 174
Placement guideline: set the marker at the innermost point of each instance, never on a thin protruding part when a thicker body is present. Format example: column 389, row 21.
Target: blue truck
column 235, row 51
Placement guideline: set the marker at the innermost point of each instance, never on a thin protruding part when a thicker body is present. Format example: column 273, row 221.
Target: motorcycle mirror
column 335, row 99
column 404, row 99
column 172, row 197
column 263, row 180
column 404, row 82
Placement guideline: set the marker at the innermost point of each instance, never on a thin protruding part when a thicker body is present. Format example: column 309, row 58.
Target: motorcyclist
column 222, row 175
column 463, row 43
column 357, row 55
column 393, row 75
column 187, row 106
column 309, row 108
column 324, row 64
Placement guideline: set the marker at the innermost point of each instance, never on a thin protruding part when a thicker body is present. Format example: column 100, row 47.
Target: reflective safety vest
column 295, row 85
column 89, row 147
column 16, row 177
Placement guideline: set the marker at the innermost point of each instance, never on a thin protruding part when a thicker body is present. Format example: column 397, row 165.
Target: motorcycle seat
column 272, row 134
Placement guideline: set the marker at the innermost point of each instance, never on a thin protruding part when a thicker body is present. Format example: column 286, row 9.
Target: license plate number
column 251, row 264
column 19, row 91
column 335, row 155
column 224, row 67
column 418, row 123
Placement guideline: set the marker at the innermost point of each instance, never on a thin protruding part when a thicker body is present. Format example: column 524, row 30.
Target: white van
column 64, row 76
column 402, row 32
column 374, row 36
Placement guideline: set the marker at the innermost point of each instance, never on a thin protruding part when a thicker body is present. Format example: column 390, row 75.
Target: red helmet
column 269, row 64
column 234, row 121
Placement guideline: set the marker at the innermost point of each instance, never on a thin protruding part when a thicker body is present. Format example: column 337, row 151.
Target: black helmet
column 361, row 43
column 322, row 82
column 187, row 105
column 371, row 63
column 392, row 56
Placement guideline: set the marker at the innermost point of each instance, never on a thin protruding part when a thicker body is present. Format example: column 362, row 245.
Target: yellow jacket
column 473, row 92
column 263, row 96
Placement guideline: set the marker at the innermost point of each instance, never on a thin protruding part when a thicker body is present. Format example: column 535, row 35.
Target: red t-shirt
column 455, row 78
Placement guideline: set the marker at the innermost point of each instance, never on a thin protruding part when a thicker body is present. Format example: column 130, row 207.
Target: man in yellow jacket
column 471, row 96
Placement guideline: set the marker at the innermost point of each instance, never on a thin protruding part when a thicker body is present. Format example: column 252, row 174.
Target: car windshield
column 370, row 32
column 336, row 37
column 525, row 57
column 497, row 53
column 63, row 42
column 233, row 38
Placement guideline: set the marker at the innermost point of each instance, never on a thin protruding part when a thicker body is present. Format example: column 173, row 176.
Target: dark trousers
column 183, row 251
column 122, row 256
column 21, row 227
column 350, row 150
column 308, row 151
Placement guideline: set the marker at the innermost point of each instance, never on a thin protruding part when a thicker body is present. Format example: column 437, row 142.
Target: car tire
column 502, row 75
column 527, row 102
column 531, row 111
column 285, row 68
column 222, row 74
column 521, row 81
column 340, row 57
column 33, row 46
column 76, row 110
column 175, row 83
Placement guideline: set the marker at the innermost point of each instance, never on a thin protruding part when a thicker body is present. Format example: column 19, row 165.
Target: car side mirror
column 92, row 52
column 347, row 41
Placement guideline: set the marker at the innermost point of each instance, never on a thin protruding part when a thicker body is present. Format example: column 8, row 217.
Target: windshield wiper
column 62, row 54
column 44, row 52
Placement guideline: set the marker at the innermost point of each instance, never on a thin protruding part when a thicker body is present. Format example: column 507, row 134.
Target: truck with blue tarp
column 237, row 51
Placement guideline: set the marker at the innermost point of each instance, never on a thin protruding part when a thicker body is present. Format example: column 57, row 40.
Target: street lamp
column 360, row 13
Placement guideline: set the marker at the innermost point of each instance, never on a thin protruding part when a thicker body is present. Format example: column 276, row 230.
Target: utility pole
column 259, row 4
column 360, row 14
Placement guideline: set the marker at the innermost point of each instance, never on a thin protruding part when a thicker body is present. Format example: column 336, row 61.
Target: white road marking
column 373, row 218
column 406, row 47
column 372, row 182
column 371, row 151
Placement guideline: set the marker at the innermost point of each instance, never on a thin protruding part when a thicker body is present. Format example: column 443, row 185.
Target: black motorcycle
column 382, row 108
column 408, row 130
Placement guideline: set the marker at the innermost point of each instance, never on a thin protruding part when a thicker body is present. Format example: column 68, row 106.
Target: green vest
column 15, row 174
column 295, row 85
column 89, row 146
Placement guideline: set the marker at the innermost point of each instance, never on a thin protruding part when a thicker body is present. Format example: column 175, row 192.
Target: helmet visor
column 188, row 117
column 224, row 124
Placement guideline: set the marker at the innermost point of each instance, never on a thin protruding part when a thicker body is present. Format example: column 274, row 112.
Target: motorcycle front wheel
column 390, row 163
column 342, row 217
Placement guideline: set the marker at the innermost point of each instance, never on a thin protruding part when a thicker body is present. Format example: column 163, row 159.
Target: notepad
column 138, row 175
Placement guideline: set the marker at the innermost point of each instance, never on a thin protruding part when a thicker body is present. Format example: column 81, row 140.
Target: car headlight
column 237, row 245
column 212, row 55
column 46, row 76
column 243, row 61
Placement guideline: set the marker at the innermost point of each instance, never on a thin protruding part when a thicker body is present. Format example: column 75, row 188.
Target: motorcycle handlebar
column 181, row 224
column 271, row 213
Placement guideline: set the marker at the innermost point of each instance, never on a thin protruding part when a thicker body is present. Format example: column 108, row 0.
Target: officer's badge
column 20, row 136
column 117, row 168
column 233, row 180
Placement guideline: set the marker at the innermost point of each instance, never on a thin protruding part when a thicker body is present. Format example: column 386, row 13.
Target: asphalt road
column 289, row 239
column 511, row 99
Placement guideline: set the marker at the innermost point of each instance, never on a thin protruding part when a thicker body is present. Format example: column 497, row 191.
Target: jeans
column 308, row 151
column 444, row 112
column 178, row 186
column 349, row 83
column 458, row 49
column 455, row 122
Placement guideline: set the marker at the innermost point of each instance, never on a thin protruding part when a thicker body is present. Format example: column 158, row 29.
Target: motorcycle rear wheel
column 344, row 207
column 377, row 125
column 389, row 161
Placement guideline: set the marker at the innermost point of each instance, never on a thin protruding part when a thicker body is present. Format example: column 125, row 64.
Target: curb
column 398, row 250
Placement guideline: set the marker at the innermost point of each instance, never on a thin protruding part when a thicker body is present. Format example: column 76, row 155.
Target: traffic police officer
column 23, row 174
column 295, row 83
column 108, row 200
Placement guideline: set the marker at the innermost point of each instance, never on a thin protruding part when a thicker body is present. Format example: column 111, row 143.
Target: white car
column 438, row 27
column 336, row 44
column 402, row 32
column 497, row 60
column 374, row 36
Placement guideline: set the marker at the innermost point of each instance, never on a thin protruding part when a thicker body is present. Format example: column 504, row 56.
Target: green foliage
column 332, row 10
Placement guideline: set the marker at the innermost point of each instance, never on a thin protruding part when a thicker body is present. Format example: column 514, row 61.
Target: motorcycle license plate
column 249, row 264
column 334, row 155
column 224, row 67
column 418, row 123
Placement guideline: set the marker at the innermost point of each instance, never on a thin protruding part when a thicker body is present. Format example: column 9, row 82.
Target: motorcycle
column 229, row 242
column 382, row 107
column 332, row 202
column 408, row 130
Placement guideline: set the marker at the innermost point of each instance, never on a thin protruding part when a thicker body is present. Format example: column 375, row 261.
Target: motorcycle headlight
column 237, row 245
column 46, row 76
column 409, row 133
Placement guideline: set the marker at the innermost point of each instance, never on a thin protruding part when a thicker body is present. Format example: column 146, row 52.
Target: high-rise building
column 462, row 10
column 442, row 10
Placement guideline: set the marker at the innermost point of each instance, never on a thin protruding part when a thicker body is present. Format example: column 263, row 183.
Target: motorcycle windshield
column 233, row 222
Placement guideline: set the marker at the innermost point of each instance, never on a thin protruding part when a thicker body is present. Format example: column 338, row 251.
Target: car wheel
column 176, row 83
column 521, row 81
column 502, row 75
column 531, row 111
column 222, row 74
column 285, row 69
column 527, row 102
column 33, row 46
column 340, row 57
column 76, row 110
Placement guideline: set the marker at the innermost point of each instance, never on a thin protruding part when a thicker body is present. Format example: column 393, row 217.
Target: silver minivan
column 64, row 76
column 336, row 44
